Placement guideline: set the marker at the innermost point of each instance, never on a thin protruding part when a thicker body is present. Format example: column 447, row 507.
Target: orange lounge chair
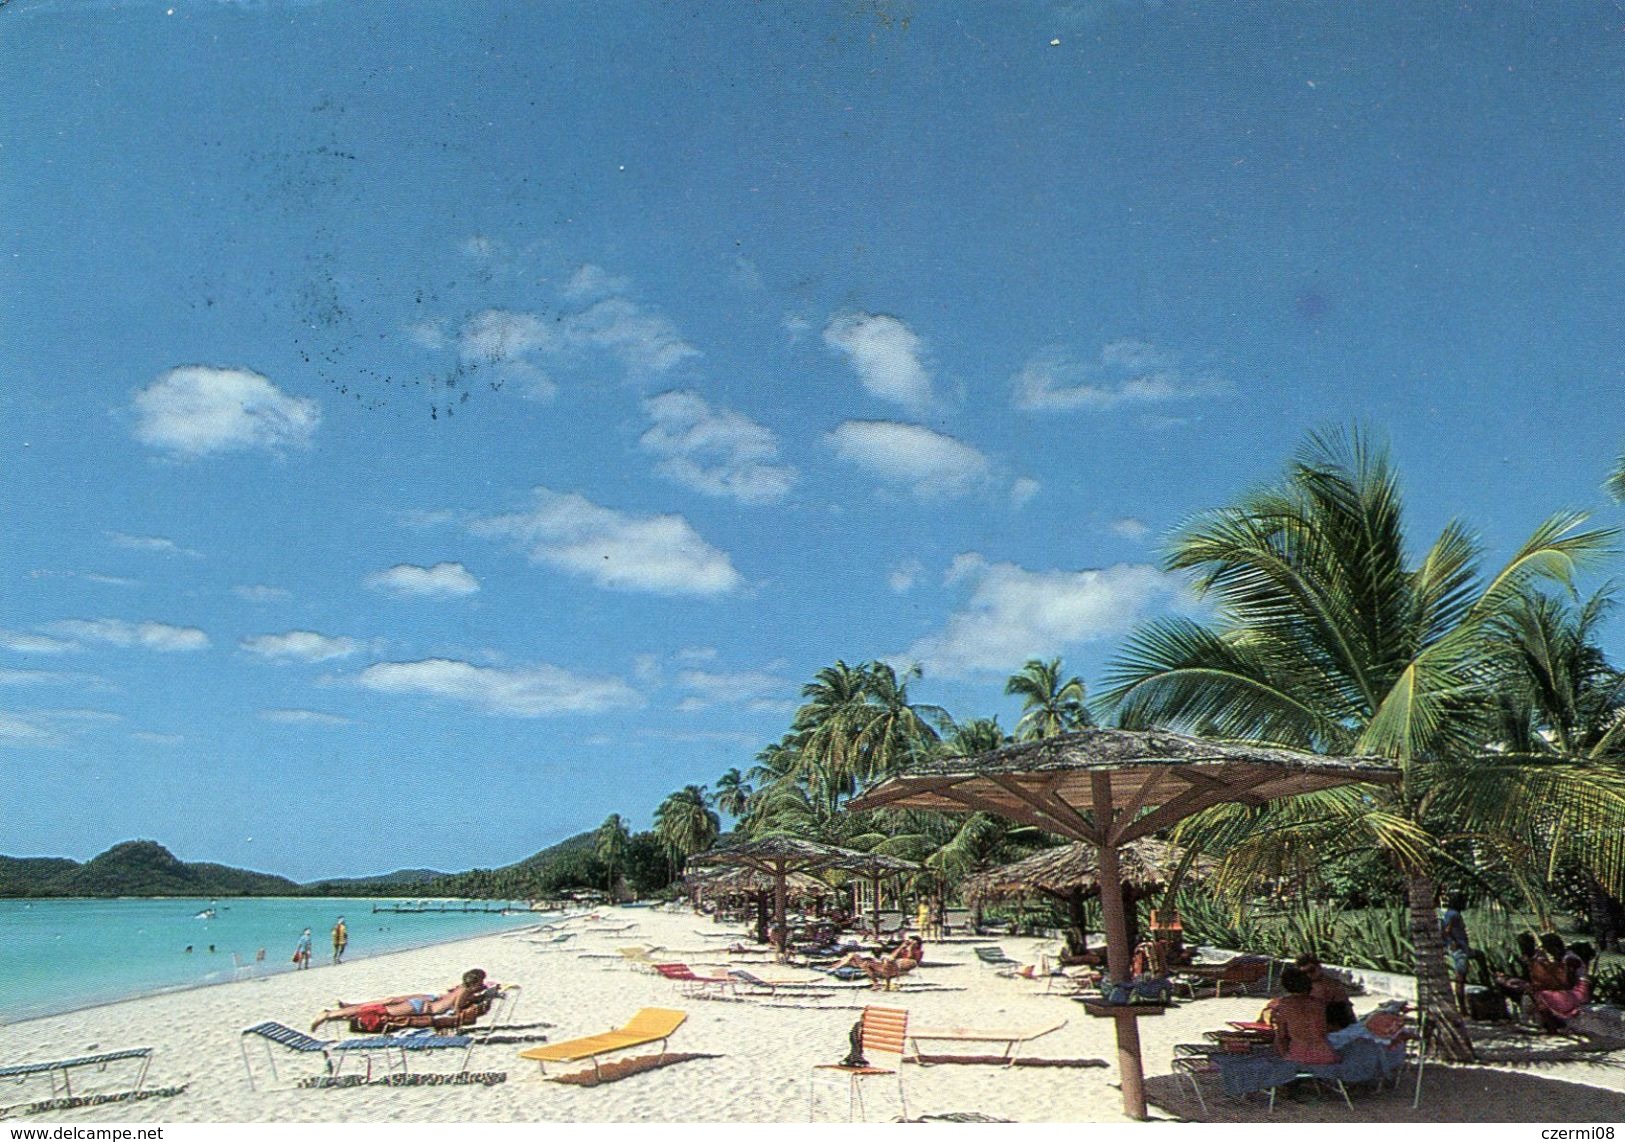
column 882, row 1030
column 650, row 1025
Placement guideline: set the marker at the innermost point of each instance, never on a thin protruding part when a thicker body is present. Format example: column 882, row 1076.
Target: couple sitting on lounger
column 455, row 1003
column 1556, row 979
column 900, row 960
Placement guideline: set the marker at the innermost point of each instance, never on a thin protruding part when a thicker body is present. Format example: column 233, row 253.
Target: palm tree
column 1557, row 695
column 610, row 844
column 979, row 735
column 1615, row 486
column 686, row 824
column 896, row 730
column 1049, row 705
column 1328, row 638
column 732, row 794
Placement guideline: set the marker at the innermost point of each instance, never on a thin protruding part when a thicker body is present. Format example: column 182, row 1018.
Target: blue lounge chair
column 391, row 1049
column 60, row 1071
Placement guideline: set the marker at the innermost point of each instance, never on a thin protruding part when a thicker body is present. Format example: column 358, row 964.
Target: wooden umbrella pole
column 780, row 930
column 1130, row 1069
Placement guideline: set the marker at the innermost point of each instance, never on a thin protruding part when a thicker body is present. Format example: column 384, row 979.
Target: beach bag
column 296, row 957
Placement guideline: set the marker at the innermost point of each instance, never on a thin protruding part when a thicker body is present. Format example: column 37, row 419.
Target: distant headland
column 147, row 868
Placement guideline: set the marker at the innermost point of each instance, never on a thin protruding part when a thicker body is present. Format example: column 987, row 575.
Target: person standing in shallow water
column 301, row 950
column 341, row 940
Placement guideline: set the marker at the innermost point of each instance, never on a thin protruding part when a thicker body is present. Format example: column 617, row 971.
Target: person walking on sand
column 301, row 950
column 341, row 940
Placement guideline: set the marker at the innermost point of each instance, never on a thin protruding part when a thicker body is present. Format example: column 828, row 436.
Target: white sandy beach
column 744, row 1061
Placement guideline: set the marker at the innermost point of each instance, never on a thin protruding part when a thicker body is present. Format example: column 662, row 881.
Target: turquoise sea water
column 61, row 955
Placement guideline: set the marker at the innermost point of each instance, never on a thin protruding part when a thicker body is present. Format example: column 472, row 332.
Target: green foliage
column 1377, row 939
column 1208, row 920
column 1608, row 986
column 1361, row 879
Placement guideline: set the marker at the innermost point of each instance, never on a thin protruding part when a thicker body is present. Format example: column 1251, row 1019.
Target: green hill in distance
column 134, row 868
column 147, row 868
column 403, row 881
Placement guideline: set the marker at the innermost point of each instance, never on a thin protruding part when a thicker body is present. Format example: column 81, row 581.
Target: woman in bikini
column 465, row 994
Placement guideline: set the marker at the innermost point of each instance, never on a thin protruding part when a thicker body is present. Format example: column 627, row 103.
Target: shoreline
column 253, row 976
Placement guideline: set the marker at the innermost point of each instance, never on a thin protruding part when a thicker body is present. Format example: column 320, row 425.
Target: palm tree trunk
column 1448, row 1030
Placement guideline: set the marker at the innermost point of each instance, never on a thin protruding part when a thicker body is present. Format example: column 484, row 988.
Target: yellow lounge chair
column 650, row 1025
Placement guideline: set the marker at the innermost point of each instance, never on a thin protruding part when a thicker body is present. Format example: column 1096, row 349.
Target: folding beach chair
column 881, row 1030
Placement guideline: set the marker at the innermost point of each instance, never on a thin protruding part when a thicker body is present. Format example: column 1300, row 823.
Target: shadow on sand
column 1449, row 1094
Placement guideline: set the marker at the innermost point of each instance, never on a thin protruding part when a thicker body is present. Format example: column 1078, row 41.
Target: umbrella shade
column 777, row 856
column 1109, row 787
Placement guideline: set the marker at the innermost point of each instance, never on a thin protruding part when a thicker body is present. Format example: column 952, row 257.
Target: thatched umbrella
column 778, row 857
column 1110, row 787
column 1069, row 873
column 875, row 867
column 753, row 886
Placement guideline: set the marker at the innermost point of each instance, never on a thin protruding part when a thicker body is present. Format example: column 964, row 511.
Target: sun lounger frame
column 61, row 1070
column 1010, row 1037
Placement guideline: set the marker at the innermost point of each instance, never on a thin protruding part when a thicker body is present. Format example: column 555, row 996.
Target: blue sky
column 430, row 428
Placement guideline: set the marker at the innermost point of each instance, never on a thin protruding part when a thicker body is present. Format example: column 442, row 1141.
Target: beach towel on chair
column 370, row 1020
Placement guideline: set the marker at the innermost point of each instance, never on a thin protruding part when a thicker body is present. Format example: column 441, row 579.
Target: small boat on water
column 206, row 914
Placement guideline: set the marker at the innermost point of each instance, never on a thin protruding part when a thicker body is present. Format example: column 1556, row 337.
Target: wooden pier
column 428, row 906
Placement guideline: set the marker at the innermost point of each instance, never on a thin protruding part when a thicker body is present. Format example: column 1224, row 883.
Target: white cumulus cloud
column 928, row 463
column 1126, row 373
column 1127, row 527
column 530, row 692
column 21, row 642
column 512, row 346
column 660, row 554
column 145, row 635
column 16, row 730
column 644, row 340
column 887, row 356
column 905, row 576
column 756, row 689
column 714, row 450
column 299, row 646
column 1022, row 490
column 407, row 580
column 260, row 593
column 303, row 718
column 154, row 543
column 1013, row 614
column 196, row 410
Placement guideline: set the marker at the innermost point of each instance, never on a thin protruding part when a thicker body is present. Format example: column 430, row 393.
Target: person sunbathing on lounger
column 904, row 958
column 466, row 994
